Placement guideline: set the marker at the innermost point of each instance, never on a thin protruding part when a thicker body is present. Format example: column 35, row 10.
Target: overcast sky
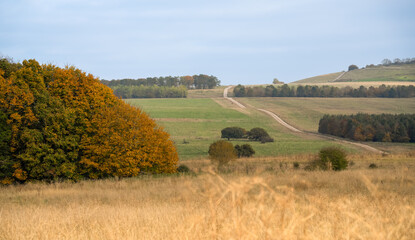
column 244, row 41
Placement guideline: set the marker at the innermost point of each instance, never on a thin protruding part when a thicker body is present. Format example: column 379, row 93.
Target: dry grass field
column 259, row 199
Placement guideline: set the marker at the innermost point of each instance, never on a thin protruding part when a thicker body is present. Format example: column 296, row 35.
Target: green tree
column 259, row 134
column 353, row 67
column 332, row 158
column 233, row 132
column 244, row 150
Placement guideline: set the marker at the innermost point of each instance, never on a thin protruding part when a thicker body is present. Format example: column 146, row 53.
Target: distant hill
column 321, row 78
column 391, row 73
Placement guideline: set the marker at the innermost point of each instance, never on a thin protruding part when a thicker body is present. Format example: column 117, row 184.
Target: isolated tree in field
column 244, row 150
column 259, row 134
column 353, row 67
column 233, row 132
column 221, row 152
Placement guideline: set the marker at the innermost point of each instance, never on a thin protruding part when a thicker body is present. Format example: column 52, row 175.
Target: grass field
column 206, row 93
column 196, row 123
column 276, row 202
column 404, row 72
column 356, row 84
column 305, row 113
column 389, row 75
column 319, row 79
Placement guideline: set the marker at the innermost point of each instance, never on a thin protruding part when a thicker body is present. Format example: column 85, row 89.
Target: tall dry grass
column 267, row 203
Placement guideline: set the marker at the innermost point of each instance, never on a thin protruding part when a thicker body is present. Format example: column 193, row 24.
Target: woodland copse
column 161, row 87
column 370, row 127
column 61, row 123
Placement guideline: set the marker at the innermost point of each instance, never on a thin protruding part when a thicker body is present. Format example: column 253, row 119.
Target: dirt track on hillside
column 291, row 128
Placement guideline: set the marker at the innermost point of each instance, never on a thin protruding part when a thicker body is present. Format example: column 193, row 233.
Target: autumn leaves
column 60, row 123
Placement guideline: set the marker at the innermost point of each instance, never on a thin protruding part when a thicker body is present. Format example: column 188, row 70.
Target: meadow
column 196, row 123
column 389, row 75
column 271, row 200
column 404, row 72
column 305, row 113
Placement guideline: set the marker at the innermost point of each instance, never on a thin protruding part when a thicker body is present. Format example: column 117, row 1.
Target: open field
column 195, row 123
column 404, row 72
column 305, row 113
column 325, row 78
column 265, row 199
column 206, row 93
column 356, row 84
column 390, row 75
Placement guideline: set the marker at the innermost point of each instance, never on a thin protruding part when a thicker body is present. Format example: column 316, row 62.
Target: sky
column 240, row 42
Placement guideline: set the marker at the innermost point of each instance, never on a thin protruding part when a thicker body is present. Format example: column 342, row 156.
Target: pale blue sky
column 245, row 41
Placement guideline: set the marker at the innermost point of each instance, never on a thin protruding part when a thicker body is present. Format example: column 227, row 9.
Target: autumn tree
column 222, row 152
column 58, row 123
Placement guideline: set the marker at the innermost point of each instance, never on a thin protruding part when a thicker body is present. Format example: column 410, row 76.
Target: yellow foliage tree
column 65, row 124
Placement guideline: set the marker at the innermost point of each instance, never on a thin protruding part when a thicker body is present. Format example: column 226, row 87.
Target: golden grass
column 276, row 202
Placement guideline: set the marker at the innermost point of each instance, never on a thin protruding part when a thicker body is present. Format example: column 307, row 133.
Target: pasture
column 305, row 113
column 325, row 78
column 390, row 75
column 270, row 201
column 196, row 123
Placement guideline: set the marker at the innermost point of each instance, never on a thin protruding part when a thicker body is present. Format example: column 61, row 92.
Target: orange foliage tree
column 61, row 123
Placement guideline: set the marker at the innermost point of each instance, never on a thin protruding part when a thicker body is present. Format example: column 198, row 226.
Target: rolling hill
column 402, row 73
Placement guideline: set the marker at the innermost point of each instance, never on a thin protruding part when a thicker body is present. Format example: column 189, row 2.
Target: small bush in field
column 244, row 150
column 329, row 158
column 373, row 166
column 333, row 158
column 183, row 169
column 296, row 165
column 221, row 152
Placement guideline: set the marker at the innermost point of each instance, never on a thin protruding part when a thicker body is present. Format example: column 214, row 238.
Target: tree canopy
column 61, row 123
column 233, row 132
column 382, row 91
column 365, row 127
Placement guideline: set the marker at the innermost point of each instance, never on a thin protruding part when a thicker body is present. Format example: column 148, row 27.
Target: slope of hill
column 404, row 72
column 392, row 73
column 321, row 78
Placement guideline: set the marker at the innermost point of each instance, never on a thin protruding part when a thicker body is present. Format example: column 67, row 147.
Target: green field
column 199, row 122
column 387, row 74
column 206, row 93
column 404, row 72
column 319, row 79
column 305, row 113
